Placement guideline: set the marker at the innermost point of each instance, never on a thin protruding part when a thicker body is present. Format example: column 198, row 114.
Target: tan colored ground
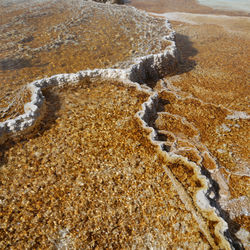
column 220, row 77
column 213, row 83
column 91, row 178
column 221, row 73
column 50, row 39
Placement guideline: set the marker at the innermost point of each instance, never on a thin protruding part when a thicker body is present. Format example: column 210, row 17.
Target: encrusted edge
column 151, row 65
column 148, row 112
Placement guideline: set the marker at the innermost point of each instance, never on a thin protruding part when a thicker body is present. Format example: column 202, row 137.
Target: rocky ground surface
column 206, row 106
column 91, row 178
column 57, row 37
column 91, row 175
column 218, row 85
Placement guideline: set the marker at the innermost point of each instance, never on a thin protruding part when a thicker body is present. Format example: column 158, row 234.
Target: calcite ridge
column 201, row 197
column 153, row 66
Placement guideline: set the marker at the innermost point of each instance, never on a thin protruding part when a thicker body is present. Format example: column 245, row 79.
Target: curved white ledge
column 153, row 66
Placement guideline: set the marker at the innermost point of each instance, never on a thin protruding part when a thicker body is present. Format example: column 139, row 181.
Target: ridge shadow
column 186, row 52
column 185, row 63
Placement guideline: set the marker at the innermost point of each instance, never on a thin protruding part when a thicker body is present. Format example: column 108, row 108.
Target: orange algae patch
column 244, row 220
column 168, row 122
column 208, row 162
column 186, row 175
column 221, row 75
column 190, row 154
column 239, row 185
column 91, row 178
column 216, row 132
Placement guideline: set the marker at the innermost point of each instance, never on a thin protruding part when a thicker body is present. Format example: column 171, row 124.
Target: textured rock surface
column 138, row 69
column 204, row 110
column 104, row 184
column 96, row 171
column 51, row 40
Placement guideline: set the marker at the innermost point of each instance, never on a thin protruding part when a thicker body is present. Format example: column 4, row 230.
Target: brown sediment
column 190, row 154
column 186, row 175
column 208, row 162
column 212, row 84
column 243, row 220
column 168, row 122
column 216, row 133
column 209, row 222
column 221, row 75
column 194, row 187
column 216, row 85
column 191, row 6
column 91, row 177
column 239, row 185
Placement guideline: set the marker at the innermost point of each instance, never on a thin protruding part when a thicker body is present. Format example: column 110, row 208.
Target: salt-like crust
column 148, row 112
column 151, row 66
column 238, row 115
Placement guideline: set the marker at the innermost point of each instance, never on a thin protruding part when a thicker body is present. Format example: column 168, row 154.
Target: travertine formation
column 92, row 166
column 205, row 110
column 151, row 66
column 103, row 185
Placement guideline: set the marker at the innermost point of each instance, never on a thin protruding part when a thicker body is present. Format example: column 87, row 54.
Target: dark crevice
column 233, row 227
column 214, row 202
